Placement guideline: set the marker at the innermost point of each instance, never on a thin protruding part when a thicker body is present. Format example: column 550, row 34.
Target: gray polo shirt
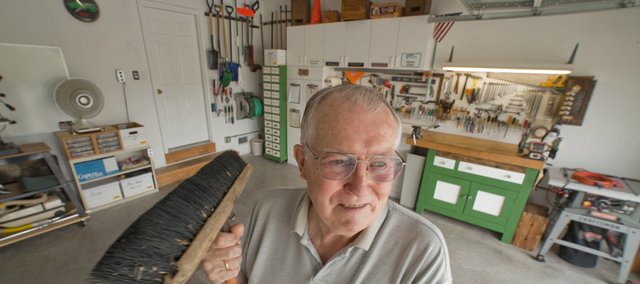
column 399, row 247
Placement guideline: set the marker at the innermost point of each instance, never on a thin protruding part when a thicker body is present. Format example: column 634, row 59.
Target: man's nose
column 359, row 177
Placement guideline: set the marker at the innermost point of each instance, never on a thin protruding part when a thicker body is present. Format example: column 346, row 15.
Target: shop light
column 520, row 70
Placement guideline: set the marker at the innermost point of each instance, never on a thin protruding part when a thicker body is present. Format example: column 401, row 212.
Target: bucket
column 256, row 147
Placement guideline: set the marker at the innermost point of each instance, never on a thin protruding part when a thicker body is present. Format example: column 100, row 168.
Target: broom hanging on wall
column 167, row 242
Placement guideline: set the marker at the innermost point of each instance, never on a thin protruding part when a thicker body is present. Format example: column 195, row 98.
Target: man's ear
column 298, row 152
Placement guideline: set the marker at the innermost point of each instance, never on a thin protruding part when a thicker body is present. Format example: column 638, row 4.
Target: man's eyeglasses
column 339, row 166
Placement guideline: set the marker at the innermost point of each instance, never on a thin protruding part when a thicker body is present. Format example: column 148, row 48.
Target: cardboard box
column 385, row 10
column 417, row 7
column 275, row 57
column 300, row 10
column 137, row 184
column 132, row 134
column 531, row 227
column 355, row 9
column 86, row 171
column 102, row 194
column 330, row 16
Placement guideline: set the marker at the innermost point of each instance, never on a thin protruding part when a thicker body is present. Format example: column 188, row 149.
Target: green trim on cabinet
column 515, row 195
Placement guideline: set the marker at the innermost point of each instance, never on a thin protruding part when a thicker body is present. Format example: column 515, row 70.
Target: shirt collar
column 364, row 240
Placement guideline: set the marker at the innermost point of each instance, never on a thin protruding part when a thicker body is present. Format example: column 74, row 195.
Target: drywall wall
column 94, row 50
column 608, row 141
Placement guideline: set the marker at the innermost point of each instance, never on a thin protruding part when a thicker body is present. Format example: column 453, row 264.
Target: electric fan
column 80, row 99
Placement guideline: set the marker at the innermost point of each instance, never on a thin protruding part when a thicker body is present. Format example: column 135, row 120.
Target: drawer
column 276, row 153
column 276, row 132
column 267, row 102
column 275, row 79
column 266, row 78
column 275, row 70
column 275, row 95
column 276, row 139
column 275, row 87
column 444, row 162
column 268, row 137
column 491, row 172
column 268, row 116
column 268, row 123
column 268, row 130
column 275, row 117
column 276, row 147
column 268, row 144
column 269, row 151
column 275, row 125
column 275, row 103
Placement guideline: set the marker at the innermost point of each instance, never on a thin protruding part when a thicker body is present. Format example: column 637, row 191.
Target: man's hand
column 223, row 259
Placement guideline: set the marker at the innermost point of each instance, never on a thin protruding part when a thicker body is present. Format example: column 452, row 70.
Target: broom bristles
column 149, row 249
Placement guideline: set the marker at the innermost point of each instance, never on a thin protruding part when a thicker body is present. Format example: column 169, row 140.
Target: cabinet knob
column 159, row 91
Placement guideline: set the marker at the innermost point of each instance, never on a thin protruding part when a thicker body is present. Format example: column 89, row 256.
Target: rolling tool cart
column 605, row 202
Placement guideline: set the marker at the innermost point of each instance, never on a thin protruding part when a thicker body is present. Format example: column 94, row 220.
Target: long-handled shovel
column 212, row 55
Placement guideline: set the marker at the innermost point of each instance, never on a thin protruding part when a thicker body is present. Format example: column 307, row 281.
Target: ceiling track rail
column 478, row 10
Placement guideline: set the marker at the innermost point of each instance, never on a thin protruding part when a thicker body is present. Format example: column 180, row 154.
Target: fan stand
column 84, row 126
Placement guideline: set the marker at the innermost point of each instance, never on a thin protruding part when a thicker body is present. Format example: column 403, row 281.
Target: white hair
column 368, row 97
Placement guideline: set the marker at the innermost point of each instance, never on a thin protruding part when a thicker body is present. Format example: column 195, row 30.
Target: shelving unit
column 107, row 179
column 74, row 209
column 275, row 105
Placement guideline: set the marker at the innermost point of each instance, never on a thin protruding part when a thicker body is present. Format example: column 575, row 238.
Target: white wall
column 608, row 141
column 94, row 50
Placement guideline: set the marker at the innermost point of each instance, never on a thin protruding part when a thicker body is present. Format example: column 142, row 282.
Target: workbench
column 75, row 211
column 624, row 222
column 478, row 181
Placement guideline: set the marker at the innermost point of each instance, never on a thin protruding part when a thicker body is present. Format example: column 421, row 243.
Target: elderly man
column 341, row 229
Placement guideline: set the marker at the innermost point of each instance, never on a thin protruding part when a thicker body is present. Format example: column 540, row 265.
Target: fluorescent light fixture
column 563, row 70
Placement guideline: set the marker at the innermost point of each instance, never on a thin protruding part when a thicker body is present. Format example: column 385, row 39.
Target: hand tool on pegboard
column 212, row 55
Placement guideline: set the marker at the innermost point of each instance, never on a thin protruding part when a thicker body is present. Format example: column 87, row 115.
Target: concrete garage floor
column 67, row 255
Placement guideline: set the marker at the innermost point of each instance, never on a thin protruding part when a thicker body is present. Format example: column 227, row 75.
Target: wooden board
column 532, row 225
column 477, row 148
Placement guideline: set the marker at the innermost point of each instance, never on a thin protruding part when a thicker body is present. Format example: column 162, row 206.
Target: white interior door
column 172, row 49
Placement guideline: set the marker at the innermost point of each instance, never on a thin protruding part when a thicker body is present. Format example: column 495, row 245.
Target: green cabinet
column 489, row 196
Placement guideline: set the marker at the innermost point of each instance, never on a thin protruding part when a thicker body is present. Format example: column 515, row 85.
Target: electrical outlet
column 150, row 152
column 120, row 75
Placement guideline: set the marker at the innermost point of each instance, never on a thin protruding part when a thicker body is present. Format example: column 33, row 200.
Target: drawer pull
column 468, row 168
column 441, row 163
column 507, row 176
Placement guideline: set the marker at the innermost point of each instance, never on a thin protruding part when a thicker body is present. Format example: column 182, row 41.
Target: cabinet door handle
column 468, row 168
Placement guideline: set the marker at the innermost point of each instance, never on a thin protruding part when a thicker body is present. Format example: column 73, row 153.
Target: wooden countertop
column 474, row 147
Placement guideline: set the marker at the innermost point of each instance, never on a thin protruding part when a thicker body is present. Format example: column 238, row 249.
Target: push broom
column 168, row 242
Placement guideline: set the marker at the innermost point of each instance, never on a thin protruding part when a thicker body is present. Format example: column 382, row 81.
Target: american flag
column 442, row 28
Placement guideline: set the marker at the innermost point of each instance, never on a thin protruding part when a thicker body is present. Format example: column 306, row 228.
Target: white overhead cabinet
column 395, row 43
column 401, row 43
column 358, row 37
column 305, row 45
column 384, row 34
column 335, row 38
column 415, row 43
